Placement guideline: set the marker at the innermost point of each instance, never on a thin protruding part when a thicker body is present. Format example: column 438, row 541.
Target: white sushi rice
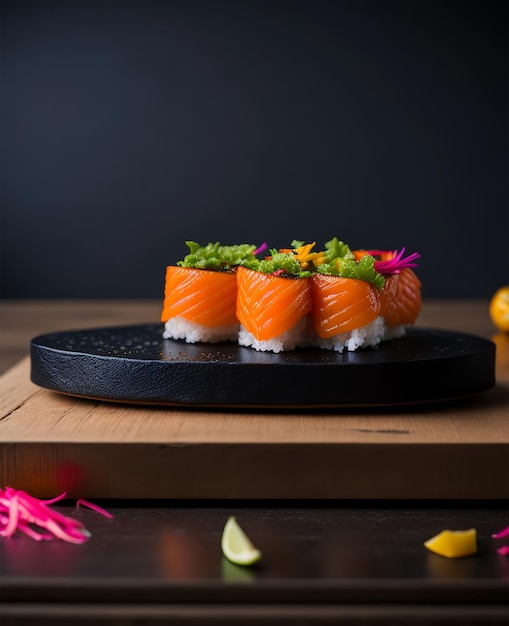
column 367, row 336
column 299, row 336
column 394, row 333
column 180, row 328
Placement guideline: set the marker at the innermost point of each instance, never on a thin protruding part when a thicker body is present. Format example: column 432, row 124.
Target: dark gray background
column 131, row 126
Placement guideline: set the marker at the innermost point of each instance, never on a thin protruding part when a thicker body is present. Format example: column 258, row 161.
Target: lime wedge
column 237, row 546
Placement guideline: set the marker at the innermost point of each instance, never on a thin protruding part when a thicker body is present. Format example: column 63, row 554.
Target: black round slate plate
column 135, row 364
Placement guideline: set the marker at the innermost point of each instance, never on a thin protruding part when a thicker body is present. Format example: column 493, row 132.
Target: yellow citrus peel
column 453, row 543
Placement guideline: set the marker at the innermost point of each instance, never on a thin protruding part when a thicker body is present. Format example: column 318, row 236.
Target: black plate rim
column 362, row 377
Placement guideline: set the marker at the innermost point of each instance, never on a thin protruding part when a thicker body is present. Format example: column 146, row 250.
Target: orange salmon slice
column 268, row 306
column 342, row 304
column 202, row 296
column 401, row 298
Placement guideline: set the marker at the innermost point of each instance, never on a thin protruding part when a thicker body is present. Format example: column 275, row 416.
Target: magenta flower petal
column 56, row 499
column 94, row 507
column 503, row 550
column 397, row 263
column 278, row 272
column 261, row 248
column 502, row 533
column 33, row 517
column 30, row 532
column 12, row 520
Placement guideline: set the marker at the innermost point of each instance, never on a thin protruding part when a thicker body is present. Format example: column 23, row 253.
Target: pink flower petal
column 503, row 550
column 12, row 522
column 32, row 516
column 94, row 507
column 397, row 263
column 261, row 248
column 53, row 500
column 30, row 532
column 503, row 533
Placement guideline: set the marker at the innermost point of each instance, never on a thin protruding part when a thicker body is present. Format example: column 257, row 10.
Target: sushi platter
column 134, row 364
column 299, row 375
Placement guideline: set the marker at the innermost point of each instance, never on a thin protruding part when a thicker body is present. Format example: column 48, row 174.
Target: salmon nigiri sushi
column 346, row 303
column 338, row 299
column 400, row 298
column 274, row 303
column 200, row 293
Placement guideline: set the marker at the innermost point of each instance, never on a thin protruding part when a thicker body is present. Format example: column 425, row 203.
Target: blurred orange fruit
column 501, row 341
column 499, row 308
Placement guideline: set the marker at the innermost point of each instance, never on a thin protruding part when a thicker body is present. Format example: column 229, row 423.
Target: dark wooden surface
column 163, row 559
column 158, row 562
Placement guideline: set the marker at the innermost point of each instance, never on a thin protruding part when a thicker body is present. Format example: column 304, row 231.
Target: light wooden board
column 51, row 442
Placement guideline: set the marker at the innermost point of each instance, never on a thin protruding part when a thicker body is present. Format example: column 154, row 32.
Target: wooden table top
column 339, row 558
column 449, row 450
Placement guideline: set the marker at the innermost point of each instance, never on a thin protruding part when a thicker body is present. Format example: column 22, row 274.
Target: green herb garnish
column 283, row 264
column 349, row 268
column 214, row 256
